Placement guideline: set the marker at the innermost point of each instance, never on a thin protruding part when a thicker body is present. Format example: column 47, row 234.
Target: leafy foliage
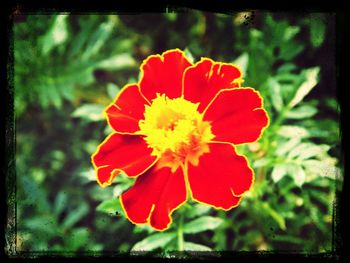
column 68, row 69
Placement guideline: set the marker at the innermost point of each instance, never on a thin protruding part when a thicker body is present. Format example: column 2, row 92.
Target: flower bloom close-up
column 176, row 132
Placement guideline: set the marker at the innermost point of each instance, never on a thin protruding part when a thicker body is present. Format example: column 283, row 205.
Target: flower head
column 175, row 131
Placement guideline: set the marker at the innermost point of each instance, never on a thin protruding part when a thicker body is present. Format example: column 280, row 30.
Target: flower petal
column 237, row 116
column 206, row 78
column 163, row 74
column 221, row 177
column 154, row 196
column 124, row 113
column 117, row 153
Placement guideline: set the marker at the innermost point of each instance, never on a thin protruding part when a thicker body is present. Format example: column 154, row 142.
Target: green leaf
column 88, row 175
column 171, row 17
column 333, row 104
column 189, row 246
column 317, row 31
column 274, row 215
column 54, row 96
column 77, row 238
column 43, row 224
column 90, row 112
column 242, row 62
column 289, row 50
column 86, row 26
column 286, row 68
column 120, row 188
column 111, row 206
column 197, row 210
column 202, row 224
column 152, row 242
column 302, row 112
column 117, row 62
column 56, row 35
column 112, row 90
column 289, row 239
column 188, row 54
column 75, row 215
column 275, row 94
column 290, row 32
column 98, row 39
column 304, row 89
column 60, row 203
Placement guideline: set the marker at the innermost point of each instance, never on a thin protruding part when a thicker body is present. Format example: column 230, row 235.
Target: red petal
column 237, row 116
column 163, row 74
column 221, row 177
column 203, row 80
column 124, row 113
column 117, row 153
column 154, row 196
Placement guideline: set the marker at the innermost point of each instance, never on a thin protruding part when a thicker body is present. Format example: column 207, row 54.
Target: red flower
column 176, row 131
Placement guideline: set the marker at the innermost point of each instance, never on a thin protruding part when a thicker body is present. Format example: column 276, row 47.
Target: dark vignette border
column 225, row 7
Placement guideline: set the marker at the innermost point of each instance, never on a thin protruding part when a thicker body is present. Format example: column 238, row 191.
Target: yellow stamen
column 175, row 130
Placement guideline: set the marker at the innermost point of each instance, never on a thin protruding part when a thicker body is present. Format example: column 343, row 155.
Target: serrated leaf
column 152, row 242
column 112, row 90
column 279, row 170
column 242, row 62
column 302, row 112
column 90, row 112
column 76, row 215
column 298, row 175
column 111, row 206
column 275, row 94
column 190, row 246
column 313, row 151
column 202, row 224
column 324, row 168
column 307, row 150
column 304, row 89
column 290, row 131
column 285, row 147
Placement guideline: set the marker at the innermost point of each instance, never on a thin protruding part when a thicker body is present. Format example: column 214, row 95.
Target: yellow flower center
column 175, row 130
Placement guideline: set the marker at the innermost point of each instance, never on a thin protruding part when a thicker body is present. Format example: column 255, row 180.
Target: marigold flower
column 175, row 131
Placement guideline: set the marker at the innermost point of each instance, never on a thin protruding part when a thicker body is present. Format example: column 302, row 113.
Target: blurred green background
column 68, row 68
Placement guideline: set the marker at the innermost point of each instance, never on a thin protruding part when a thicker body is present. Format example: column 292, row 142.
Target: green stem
column 180, row 234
